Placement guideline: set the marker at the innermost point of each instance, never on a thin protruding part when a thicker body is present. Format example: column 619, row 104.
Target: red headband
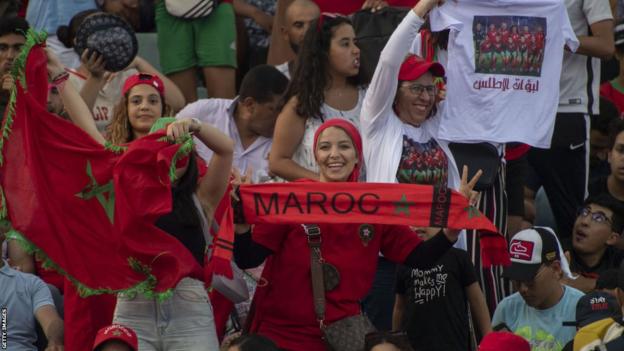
column 353, row 133
column 144, row 78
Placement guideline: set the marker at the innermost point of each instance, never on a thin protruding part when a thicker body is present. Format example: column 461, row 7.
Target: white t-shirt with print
column 498, row 94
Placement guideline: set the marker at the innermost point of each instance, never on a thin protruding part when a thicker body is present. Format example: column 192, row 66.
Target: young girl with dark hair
column 324, row 86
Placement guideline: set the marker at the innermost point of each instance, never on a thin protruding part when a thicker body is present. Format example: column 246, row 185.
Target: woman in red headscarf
column 284, row 307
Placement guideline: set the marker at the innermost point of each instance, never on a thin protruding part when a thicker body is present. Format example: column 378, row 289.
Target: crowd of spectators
column 272, row 92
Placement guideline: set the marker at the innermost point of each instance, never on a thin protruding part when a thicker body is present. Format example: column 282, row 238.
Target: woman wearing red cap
column 399, row 119
column 399, row 125
column 185, row 320
column 284, row 307
column 324, row 85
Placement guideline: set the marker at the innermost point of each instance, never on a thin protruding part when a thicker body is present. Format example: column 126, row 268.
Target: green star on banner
column 402, row 206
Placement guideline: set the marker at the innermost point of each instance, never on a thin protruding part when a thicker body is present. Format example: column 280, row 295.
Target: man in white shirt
column 24, row 299
column 299, row 15
column 249, row 119
column 563, row 168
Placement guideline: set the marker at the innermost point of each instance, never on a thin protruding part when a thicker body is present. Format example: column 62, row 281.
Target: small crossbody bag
column 348, row 333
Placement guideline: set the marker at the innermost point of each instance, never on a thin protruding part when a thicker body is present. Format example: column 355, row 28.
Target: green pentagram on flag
column 402, row 206
column 105, row 194
column 472, row 212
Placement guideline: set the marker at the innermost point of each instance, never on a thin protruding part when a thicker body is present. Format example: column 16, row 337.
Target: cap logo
column 550, row 256
column 521, row 250
column 598, row 304
column 116, row 330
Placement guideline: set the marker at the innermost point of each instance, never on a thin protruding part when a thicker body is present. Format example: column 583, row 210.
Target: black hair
column 13, row 25
column 110, row 342
column 398, row 339
column 608, row 201
column 608, row 113
column 67, row 33
column 615, row 128
column 263, row 83
column 254, row 342
column 311, row 76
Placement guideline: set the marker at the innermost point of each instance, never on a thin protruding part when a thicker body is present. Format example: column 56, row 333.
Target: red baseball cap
column 414, row 66
column 507, row 341
column 117, row 332
column 144, row 78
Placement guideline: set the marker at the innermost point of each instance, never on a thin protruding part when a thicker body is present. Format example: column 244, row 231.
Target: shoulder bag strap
column 313, row 232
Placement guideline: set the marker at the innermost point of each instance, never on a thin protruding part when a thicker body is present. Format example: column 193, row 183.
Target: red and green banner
column 315, row 202
column 89, row 210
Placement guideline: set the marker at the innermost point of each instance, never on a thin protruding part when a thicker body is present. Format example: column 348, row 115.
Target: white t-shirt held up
column 503, row 70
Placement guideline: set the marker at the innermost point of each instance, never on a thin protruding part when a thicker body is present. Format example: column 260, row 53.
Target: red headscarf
column 353, row 133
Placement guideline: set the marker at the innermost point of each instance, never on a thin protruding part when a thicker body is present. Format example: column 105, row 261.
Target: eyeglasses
column 598, row 216
column 419, row 89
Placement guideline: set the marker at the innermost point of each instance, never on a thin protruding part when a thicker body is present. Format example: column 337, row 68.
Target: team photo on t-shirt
column 509, row 44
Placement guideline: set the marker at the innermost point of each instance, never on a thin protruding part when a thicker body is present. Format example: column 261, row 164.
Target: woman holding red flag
column 285, row 308
column 185, row 320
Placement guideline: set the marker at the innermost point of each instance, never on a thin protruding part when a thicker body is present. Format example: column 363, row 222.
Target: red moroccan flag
column 88, row 209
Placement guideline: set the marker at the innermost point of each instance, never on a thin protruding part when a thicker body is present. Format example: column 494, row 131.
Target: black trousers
column 563, row 170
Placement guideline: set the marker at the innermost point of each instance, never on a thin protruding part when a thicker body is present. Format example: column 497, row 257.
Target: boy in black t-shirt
column 432, row 305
